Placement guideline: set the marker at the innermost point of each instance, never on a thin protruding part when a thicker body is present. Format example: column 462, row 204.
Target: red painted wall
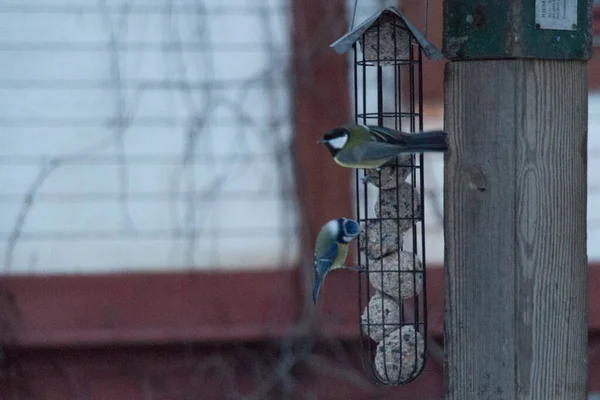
column 204, row 336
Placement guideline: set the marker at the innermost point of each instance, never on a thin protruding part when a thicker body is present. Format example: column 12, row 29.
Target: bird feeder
column 388, row 91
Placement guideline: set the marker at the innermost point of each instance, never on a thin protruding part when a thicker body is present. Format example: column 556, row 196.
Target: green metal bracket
column 492, row 29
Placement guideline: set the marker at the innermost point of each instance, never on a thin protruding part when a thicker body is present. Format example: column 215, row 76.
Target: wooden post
column 515, row 204
column 515, row 230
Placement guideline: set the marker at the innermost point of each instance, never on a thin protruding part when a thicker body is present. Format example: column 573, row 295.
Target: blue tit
column 331, row 248
column 367, row 146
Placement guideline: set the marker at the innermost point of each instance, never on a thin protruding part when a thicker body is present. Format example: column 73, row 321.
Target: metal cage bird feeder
column 390, row 201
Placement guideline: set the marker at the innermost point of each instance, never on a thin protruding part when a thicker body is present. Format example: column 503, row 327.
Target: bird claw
column 370, row 178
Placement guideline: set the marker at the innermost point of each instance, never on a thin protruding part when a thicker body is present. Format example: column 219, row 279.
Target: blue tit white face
column 335, row 140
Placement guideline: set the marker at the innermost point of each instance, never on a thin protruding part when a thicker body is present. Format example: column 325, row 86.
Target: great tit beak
column 321, row 141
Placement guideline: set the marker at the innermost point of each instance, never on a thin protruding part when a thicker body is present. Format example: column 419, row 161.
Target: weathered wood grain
column 515, row 230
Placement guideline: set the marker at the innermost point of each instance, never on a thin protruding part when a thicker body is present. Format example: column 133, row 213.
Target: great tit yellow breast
column 363, row 164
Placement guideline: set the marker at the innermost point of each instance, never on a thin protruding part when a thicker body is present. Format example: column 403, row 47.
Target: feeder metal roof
column 345, row 43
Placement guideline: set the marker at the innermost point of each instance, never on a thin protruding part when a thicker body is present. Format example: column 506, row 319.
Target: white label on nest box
column 556, row 14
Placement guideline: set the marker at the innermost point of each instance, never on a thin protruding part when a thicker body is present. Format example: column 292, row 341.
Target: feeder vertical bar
column 379, row 95
column 413, row 169
column 365, row 202
column 399, row 95
column 357, row 183
column 422, row 189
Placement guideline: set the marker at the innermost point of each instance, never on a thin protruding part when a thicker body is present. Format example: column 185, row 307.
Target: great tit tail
column 427, row 141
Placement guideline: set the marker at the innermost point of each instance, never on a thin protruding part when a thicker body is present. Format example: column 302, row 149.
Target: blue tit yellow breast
column 340, row 259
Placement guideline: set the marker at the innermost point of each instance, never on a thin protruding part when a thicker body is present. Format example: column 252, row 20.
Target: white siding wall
column 152, row 135
column 141, row 135
column 593, row 239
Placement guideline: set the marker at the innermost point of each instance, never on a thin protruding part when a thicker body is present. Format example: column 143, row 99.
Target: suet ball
column 398, row 277
column 391, row 176
column 380, row 317
column 387, row 40
column 401, row 355
column 398, row 203
column 371, row 234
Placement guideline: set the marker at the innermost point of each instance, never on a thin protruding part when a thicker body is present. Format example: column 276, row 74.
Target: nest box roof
column 345, row 43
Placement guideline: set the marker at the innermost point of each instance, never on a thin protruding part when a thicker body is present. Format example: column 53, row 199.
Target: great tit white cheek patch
column 338, row 142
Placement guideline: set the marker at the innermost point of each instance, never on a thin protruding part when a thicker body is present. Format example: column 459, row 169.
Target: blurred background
column 162, row 189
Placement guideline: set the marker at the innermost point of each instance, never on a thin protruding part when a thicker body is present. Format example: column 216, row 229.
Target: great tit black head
column 335, row 140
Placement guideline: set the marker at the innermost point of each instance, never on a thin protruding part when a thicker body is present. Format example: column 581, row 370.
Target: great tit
column 331, row 248
column 368, row 146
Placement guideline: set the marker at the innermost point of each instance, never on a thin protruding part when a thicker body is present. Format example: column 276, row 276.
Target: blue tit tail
column 316, row 290
column 426, row 141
